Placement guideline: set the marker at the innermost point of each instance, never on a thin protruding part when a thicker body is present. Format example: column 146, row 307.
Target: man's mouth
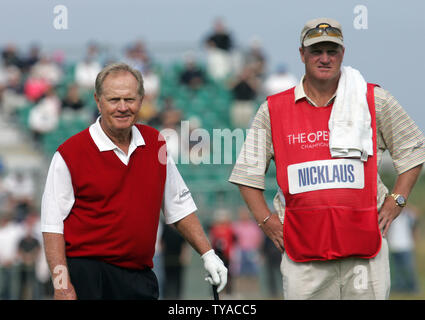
column 122, row 116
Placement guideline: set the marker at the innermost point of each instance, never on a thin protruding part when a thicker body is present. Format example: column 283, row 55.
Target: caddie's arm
column 54, row 246
column 268, row 222
column 403, row 186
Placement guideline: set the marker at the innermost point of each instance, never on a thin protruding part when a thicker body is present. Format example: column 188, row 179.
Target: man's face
column 322, row 60
column 119, row 102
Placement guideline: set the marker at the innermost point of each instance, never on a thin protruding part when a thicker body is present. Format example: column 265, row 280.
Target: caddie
column 327, row 136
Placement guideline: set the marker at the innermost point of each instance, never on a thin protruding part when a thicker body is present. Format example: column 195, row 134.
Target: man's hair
column 115, row 68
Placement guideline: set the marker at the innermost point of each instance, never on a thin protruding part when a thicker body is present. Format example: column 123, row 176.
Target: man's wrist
column 264, row 221
column 399, row 199
column 207, row 254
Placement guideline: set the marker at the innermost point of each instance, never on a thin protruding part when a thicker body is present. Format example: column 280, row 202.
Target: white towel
column 350, row 131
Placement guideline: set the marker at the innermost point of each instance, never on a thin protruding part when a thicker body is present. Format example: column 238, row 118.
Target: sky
column 389, row 50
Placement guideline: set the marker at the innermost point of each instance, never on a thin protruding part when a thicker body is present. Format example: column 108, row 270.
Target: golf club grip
column 215, row 293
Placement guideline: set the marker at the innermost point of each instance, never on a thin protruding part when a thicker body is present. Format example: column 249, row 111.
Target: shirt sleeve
column 256, row 152
column 177, row 201
column 400, row 134
column 58, row 197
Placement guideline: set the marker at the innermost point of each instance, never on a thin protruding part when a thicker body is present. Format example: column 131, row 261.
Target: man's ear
column 302, row 50
column 97, row 99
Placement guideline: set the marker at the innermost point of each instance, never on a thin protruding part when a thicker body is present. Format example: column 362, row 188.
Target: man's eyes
column 319, row 52
column 125, row 99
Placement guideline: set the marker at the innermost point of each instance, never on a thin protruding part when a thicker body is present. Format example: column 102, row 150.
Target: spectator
column 192, row 76
column 14, row 80
column 151, row 83
column 32, row 58
column 279, row 81
column 10, row 234
column 72, row 100
column 168, row 120
column 11, row 57
column 35, row 87
column 272, row 260
column 222, row 239
column 175, row 259
column 44, row 284
column 244, row 90
column 13, row 96
column 170, row 116
column 58, row 57
column 220, row 38
column 249, row 239
column 3, row 192
column 21, row 193
column 1, row 169
column 48, row 70
column 137, row 56
column 28, row 252
column 87, row 70
column 44, row 116
column 256, row 58
column 401, row 243
column 158, row 263
column 219, row 45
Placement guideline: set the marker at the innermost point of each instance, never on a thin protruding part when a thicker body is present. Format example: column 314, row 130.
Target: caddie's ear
column 302, row 51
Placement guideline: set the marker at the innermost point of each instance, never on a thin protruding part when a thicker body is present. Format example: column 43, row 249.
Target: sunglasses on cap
column 320, row 30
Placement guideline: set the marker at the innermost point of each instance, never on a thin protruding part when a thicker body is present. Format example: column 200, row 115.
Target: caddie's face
column 322, row 60
column 119, row 103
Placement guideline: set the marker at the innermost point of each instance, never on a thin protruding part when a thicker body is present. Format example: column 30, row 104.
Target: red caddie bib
column 331, row 203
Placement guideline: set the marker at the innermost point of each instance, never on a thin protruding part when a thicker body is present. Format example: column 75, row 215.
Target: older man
column 327, row 136
column 104, row 191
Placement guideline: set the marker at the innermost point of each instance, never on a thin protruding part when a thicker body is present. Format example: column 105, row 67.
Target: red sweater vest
column 116, row 211
column 331, row 204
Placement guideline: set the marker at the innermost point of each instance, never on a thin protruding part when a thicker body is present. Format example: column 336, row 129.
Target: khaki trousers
column 345, row 279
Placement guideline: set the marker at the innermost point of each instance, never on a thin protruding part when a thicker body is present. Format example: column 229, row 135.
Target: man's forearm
column 191, row 229
column 54, row 246
column 405, row 181
column 256, row 202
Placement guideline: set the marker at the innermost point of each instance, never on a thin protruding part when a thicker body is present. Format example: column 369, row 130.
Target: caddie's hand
column 274, row 230
column 217, row 272
column 389, row 211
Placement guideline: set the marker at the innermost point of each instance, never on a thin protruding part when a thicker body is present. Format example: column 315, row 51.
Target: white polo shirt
column 58, row 197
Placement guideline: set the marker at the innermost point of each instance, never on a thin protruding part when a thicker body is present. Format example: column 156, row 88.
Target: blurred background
column 211, row 64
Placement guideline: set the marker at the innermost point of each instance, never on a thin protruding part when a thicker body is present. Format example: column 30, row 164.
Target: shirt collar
column 300, row 94
column 103, row 142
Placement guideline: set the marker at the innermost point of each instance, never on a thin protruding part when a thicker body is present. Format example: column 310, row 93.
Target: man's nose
column 325, row 58
column 122, row 105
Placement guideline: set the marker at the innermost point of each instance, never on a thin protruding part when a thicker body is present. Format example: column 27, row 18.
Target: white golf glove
column 217, row 272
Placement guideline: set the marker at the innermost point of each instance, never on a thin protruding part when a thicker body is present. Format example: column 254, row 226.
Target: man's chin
column 325, row 76
column 123, row 123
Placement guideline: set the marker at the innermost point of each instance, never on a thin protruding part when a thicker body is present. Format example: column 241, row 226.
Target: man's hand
column 389, row 211
column 65, row 294
column 216, row 270
column 274, row 230
column 403, row 185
